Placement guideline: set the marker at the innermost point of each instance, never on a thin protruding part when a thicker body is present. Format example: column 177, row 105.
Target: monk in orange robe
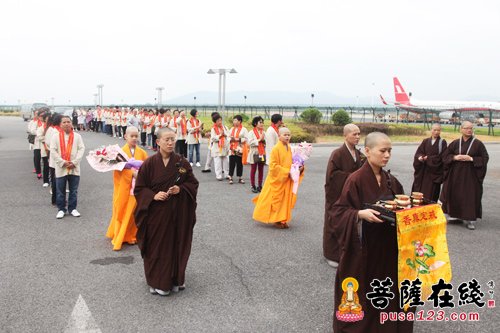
column 276, row 201
column 122, row 225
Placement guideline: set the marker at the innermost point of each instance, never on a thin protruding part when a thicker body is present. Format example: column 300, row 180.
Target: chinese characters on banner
column 423, row 250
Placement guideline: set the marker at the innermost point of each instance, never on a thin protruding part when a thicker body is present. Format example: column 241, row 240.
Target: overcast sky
column 63, row 49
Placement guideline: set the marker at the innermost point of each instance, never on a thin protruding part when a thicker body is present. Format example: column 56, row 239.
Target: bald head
column 378, row 149
column 164, row 130
column 284, row 130
column 436, row 131
column 285, row 135
column 131, row 129
column 375, row 138
column 352, row 134
column 466, row 123
column 350, row 128
column 467, row 129
column 132, row 136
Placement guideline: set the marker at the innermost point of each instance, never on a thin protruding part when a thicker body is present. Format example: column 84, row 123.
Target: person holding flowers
column 66, row 150
column 165, row 215
column 122, row 225
column 276, row 201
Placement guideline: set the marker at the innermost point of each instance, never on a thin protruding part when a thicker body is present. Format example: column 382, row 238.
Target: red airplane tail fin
column 400, row 94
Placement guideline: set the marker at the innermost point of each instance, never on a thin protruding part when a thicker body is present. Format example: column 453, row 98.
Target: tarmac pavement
column 58, row 275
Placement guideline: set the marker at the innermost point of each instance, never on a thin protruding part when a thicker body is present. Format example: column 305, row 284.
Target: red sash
column 220, row 130
column 262, row 146
column 183, row 126
column 66, row 149
column 276, row 129
column 236, row 135
column 195, row 122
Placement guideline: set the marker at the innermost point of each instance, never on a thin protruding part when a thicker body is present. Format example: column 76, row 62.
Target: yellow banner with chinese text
column 423, row 248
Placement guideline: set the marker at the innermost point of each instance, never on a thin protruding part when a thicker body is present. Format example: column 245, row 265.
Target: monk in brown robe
column 165, row 215
column 465, row 163
column 343, row 161
column 369, row 245
column 428, row 165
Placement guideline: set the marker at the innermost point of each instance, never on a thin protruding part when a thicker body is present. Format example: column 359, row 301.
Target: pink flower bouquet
column 112, row 158
column 108, row 158
column 300, row 154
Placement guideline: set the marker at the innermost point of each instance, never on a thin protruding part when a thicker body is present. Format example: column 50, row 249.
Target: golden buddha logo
column 350, row 309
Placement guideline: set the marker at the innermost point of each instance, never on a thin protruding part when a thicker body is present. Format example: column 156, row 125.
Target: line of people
column 57, row 153
column 229, row 149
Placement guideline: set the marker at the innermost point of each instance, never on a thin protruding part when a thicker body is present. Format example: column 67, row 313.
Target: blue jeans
column 73, row 182
column 191, row 149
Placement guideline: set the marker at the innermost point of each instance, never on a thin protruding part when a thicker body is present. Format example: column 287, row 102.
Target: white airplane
column 403, row 102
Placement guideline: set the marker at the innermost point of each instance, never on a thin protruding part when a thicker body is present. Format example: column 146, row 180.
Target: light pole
column 312, row 99
column 221, row 107
column 99, row 91
column 373, row 99
column 373, row 92
column 160, row 91
column 194, row 99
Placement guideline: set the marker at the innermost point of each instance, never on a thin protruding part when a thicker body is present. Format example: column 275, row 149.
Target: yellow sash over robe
column 276, row 201
column 122, row 225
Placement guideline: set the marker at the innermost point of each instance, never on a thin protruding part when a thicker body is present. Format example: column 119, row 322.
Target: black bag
column 259, row 159
column 31, row 138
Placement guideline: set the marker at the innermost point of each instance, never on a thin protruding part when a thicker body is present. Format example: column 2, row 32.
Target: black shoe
column 254, row 189
column 206, row 170
column 259, row 189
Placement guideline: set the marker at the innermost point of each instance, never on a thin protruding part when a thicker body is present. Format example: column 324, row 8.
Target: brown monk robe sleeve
column 345, row 213
column 448, row 155
column 144, row 195
column 435, row 160
column 480, row 161
column 335, row 176
column 418, row 166
column 420, row 152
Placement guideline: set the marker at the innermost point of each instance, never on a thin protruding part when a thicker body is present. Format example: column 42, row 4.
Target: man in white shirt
column 272, row 134
column 67, row 149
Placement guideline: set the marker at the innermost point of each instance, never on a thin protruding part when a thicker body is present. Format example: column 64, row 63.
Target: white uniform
column 219, row 153
column 272, row 139
column 191, row 128
column 77, row 151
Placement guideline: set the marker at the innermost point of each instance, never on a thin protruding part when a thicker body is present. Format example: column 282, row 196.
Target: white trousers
column 208, row 165
column 221, row 164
